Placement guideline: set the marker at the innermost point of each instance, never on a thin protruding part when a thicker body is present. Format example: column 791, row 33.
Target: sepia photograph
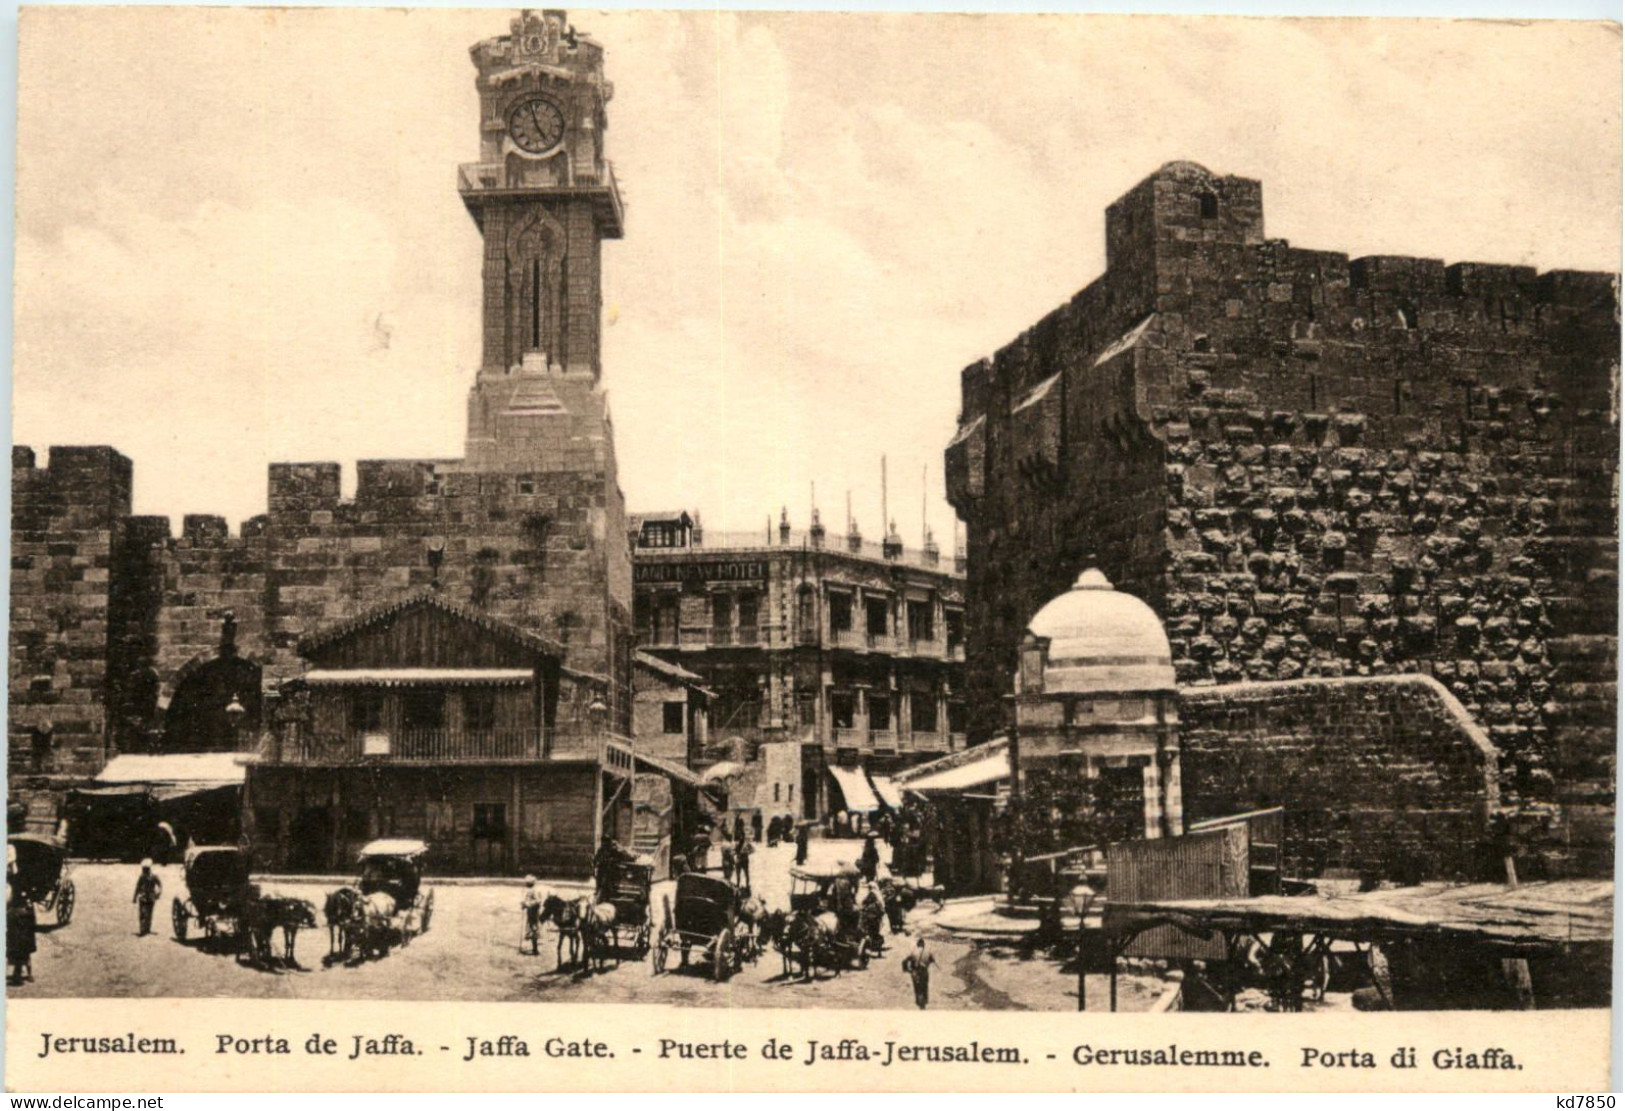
column 926, row 512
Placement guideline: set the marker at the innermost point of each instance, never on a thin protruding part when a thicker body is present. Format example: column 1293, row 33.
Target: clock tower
column 544, row 198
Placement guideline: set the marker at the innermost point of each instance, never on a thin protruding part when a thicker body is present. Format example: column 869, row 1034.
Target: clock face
column 536, row 125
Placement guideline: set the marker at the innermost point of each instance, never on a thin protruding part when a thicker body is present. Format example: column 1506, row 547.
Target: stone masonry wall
column 67, row 522
column 1383, row 774
column 1315, row 466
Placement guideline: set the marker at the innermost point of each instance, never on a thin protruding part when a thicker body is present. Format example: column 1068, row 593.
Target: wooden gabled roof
column 428, row 599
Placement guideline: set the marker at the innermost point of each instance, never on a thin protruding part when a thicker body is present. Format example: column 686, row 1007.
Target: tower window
column 1210, row 206
column 1407, row 316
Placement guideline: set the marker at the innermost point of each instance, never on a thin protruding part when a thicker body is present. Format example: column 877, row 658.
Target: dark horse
column 343, row 914
column 263, row 915
column 565, row 914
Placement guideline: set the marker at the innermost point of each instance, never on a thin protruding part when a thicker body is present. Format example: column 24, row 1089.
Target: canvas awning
column 887, row 789
column 418, row 676
column 977, row 773
column 722, row 769
column 855, row 789
column 194, row 770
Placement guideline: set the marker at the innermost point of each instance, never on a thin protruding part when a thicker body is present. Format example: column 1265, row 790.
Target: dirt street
column 472, row 952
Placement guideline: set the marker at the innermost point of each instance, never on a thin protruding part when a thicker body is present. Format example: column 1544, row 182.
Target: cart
column 628, row 892
column 217, row 891
column 39, row 869
column 706, row 917
column 834, row 937
column 396, row 903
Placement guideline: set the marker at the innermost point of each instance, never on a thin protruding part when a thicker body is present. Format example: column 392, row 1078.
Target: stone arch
column 196, row 719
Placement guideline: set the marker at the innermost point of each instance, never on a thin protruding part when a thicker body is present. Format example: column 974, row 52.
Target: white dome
column 1101, row 640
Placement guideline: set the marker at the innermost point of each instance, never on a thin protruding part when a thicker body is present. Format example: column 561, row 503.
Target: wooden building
column 428, row 719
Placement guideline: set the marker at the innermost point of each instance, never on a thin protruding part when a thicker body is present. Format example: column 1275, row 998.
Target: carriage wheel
column 177, row 915
column 643, row 941
column 64, row 904
column 428, row 912
column 722, row 956
column 657, row 963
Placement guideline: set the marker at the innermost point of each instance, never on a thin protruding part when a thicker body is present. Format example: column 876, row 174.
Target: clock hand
column 541, row 132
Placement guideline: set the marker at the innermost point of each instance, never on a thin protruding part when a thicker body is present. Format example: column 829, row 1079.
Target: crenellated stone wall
column 1315, row 466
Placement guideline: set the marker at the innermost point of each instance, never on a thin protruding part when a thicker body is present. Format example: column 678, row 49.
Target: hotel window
column 722, row 608
column 840, row 612
column 954, row 621
column 923, row 707
column 843, row 709
column 879, row 712
column 747, row 611
column 877, row 613
column 671, row 717
column 920, row 625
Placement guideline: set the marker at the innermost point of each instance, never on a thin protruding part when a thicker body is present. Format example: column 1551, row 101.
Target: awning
column 887, row 789
column 989, row 769
column 855, row 789
column 670, row 770
column 722, row 769
column 219, row 769
column 418, row 676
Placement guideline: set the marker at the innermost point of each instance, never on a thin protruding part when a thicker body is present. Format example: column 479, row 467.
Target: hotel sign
column 707, row 571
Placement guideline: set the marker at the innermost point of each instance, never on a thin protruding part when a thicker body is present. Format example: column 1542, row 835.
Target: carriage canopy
column 215, row 868
column 706, row 905
column 39, row 860
column 394, row 867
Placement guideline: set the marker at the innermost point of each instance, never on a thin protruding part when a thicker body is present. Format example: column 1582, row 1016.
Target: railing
column 439, row 746
column 956, row 741
column 850, row 738
column 956, row 652
column 847, row 638
column 883, row 738
column 727, row 540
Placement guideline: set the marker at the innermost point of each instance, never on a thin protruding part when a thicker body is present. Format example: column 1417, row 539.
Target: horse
column 752, row 913
column 342, row 912
column 891, row 897
column 565, row 915
column 871, row 916
column 811, row 938
column 770, row 931
column 595, row 922
column 261, row 914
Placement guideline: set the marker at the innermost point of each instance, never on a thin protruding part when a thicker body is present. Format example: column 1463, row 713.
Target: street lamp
column 235, row 713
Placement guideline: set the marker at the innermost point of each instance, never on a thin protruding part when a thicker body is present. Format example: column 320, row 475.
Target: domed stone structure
column 1096, row 721
column 1102, row 640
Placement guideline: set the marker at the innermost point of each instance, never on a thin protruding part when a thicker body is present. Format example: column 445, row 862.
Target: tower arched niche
column 537, row 260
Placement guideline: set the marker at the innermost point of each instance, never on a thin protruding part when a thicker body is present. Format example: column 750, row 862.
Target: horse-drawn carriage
column 388, row 904
column 222, row 900
column 217, row 891
column 827, row 926
column 40, row 871
column 627, row 888
column 706, row 917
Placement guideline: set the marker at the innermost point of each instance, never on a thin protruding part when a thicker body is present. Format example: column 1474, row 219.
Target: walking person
column 21, row 926
column 728, row 862
column 148, row 890
column 801, row 844
column 918, row 966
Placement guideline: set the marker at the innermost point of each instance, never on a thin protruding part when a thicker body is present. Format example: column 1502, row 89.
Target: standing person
column 148, row 890
column 801, row 844
column 728, row 862
column 869, row 860
column 918, row 966
column 532, row 904
column 20, row 928
column 739, row 828
column 742, row 852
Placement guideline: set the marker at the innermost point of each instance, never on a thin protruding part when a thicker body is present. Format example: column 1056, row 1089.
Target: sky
column 239, row 239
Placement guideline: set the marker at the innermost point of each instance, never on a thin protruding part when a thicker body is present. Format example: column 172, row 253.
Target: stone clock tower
column 544, row 199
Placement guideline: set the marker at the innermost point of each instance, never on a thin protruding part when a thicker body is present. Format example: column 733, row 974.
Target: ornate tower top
column 542, row 119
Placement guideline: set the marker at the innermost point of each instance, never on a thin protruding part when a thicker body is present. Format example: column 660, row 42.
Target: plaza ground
column 472, row 952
